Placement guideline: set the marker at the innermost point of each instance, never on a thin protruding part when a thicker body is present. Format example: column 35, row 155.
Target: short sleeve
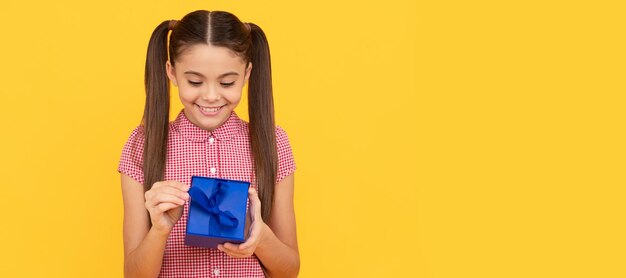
column 286, row 162
column 131, row 160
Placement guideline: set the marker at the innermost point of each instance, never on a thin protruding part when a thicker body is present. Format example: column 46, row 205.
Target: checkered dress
column 222, row 153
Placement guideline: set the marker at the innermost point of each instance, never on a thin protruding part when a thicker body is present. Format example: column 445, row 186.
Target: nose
column 210, row 94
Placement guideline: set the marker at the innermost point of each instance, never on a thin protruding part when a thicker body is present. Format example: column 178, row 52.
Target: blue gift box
column 217, row 211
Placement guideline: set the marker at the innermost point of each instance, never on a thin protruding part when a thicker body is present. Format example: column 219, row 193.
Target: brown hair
column 217, row 28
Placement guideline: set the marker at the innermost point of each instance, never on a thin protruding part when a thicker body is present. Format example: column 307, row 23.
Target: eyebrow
column 221, row 76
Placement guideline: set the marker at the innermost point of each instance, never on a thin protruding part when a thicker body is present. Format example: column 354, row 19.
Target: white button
column 216, row 272
column 213, row 170
column 211, row 140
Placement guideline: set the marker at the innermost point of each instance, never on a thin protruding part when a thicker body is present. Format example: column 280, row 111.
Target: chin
column 211, row 123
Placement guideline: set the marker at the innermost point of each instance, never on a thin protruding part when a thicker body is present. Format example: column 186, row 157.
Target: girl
column 211, row 56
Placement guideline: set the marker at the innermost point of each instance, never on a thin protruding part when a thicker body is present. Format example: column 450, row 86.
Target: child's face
column 209, row 80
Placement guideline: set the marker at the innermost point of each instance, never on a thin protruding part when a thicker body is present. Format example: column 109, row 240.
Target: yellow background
column 432, row 138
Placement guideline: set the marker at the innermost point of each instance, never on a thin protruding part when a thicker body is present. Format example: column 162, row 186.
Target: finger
column 225, row 250
column 160, row 208
column 253, row 194
column 163, row 207
column 163, row 197
column 255, row 202
column 160, row 196
column 251, row 240
column 156, row 184
column 176, row 192
column 234, row 251
column 231, row 247
column 235, row 255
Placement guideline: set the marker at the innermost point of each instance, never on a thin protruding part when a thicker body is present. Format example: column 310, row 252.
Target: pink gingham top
column 224, row 153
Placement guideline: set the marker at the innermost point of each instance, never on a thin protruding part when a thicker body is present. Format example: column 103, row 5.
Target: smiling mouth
column 210, row 109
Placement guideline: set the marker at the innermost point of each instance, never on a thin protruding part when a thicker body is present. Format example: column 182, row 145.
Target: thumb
column 255, row 202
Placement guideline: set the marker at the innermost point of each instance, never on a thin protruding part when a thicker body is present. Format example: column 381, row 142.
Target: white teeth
column 207, row 109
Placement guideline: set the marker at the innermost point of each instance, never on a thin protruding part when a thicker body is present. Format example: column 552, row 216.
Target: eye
column 195, row 84
column 227, row 84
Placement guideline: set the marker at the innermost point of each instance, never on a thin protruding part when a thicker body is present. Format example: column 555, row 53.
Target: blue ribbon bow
column 211, row 204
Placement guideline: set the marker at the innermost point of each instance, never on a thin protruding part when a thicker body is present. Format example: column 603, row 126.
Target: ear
column 169, row 69
column 247, row 74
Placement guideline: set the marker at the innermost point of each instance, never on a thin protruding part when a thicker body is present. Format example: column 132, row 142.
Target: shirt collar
column 192, row 132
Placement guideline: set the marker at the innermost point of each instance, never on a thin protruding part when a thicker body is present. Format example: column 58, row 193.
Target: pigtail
column 261, row 113
column 156, row 111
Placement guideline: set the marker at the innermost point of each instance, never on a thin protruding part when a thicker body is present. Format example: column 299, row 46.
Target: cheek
column 186, row 95
column 234, row 97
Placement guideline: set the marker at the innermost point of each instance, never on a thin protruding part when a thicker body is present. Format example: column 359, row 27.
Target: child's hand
column 247, row 248
column 165, row 202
